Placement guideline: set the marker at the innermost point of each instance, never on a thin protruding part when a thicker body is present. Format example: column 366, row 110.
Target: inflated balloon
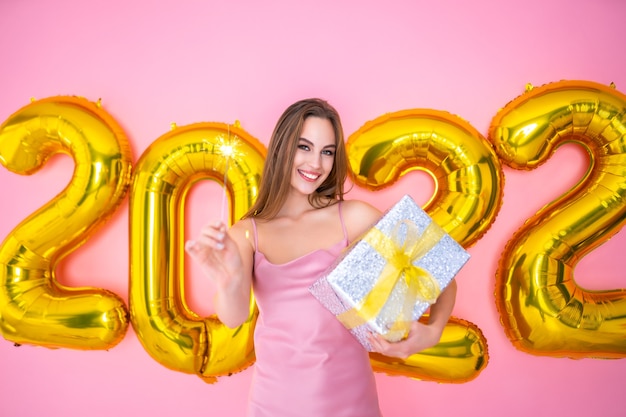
column 543, row 310
column 34, row 307
column 170, row 332
column 467, row 198
column 459, row 356
column 466, row 171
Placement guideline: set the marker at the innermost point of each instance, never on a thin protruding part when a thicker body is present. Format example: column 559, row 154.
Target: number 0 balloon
column 169, row 331
column 543, row 310
column 34, row 307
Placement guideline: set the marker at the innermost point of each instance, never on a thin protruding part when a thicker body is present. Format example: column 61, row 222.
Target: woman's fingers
column 420, row 337
column 211, row 236
column 213, row 245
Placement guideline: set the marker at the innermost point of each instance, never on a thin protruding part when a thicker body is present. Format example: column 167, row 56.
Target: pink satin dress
column 307, row 363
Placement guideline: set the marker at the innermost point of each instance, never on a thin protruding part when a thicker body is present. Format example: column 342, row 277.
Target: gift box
column 391, row 275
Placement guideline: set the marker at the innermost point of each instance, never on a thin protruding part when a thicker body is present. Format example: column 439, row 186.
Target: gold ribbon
column 400, row 257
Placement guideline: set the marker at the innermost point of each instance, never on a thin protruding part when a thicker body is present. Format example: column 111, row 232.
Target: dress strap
column 343, row 224
column 256, row 238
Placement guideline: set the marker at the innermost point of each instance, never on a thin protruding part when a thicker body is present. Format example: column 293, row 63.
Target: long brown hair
column 276, row 178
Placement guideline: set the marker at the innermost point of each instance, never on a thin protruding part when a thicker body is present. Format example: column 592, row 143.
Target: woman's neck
column 295, row 206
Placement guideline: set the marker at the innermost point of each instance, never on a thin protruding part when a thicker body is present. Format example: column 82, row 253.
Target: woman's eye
column 328, row 152
column 303, row 147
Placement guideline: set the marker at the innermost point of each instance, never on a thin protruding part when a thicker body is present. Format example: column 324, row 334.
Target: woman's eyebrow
column 308, row 142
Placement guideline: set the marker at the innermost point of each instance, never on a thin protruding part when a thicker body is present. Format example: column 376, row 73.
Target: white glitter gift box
column 392, row 274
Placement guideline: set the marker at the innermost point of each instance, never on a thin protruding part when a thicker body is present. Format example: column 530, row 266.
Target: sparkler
column 228, row 148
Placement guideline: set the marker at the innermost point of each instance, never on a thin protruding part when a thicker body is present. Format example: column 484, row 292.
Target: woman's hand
column 421, row 336
column 217, row 254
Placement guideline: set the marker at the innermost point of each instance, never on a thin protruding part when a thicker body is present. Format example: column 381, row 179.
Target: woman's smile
column 309, row 175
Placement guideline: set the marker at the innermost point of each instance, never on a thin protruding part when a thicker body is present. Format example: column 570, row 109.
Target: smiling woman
column 291, row 236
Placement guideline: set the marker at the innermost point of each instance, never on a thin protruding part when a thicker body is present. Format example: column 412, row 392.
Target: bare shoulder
column 360, row 208
column 242, row 232
column 359, row 217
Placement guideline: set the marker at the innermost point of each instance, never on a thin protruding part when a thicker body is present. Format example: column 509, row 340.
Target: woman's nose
column 316, row 160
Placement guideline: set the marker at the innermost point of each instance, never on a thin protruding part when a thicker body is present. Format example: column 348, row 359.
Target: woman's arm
column 421, row 336
column 226, row 257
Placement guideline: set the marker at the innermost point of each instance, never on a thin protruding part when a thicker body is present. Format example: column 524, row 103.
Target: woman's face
column 315, row 155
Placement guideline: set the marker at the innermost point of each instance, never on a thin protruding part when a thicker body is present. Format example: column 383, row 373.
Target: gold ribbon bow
column 400, row 257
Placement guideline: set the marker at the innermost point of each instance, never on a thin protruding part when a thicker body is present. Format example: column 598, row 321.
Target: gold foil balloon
column 170, row 332
column 459, row 356
column 543, row 310
column 466, row 171
column 34, row 307
column 467, row 198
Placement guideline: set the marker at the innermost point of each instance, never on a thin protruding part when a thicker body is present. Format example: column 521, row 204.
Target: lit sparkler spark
column 228, row 148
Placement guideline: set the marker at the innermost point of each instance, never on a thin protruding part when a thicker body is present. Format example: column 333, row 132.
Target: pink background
column 188, row 61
